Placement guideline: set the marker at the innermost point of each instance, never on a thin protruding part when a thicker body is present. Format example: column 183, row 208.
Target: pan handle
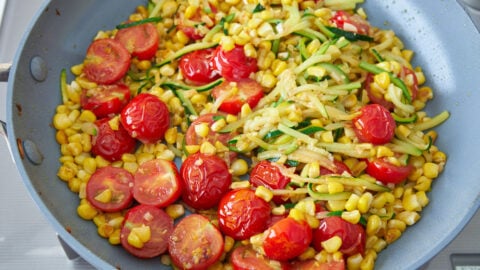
column 473, row 9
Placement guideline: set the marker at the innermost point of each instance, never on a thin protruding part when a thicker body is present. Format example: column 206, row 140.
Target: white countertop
column 27, row 241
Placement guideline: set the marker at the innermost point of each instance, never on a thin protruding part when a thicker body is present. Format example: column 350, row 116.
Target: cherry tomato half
column 313, row 264
column 242, row 214
column 352, row 235
column 140, row 40
column 161, row 227
column 111, row 144
column 197, row 67
column 234, row 65
column 349, row 22
column 146, row 118
column 374, row 125
column 195, row 243
column 157, row 182
column 191, row 137
column 105, row 100
column 112, row 182
column 269, row 175
column 287, row 239
column 245, row 258
column 106, row 61
column 386, row 172
column 205, row 180
column 246, row 91
column 340, row 168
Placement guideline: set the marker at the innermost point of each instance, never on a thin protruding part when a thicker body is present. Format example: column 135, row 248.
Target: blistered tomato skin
column 206, row 179
column 195, row 243
column 146, row 118
column 374, row 125
column 248, row 91
column 287, row 239
column 140, row 40
column 269, row 175
column 106, row 61
column 353, row 235
column 234, row 65
column 242, row 214
column 197, row 67
column 245, row 258
column 160, row 224
column 386, row 172
column 111, row 144
column 105, row 100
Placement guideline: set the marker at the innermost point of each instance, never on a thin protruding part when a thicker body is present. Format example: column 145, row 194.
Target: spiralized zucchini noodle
column 321, row 67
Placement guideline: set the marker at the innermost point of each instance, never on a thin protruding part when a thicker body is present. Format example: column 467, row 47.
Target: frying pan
column 447, row 46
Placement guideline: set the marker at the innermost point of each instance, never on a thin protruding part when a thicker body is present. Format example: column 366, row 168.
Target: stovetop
column 27, row 241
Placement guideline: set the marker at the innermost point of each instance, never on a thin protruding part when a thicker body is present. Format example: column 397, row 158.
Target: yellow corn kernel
column 307, row 254
column 143, row 232
column 279, row 210
column 268, row 80
column 86, row 211
column 250, row 51
column 130, row 166
column 105, row 196
column 396, row 224
column 171, row 135
column 352, row 202
column 367, row 263
column 265, row 29
column 264, row 193
column 105, row 230
column 364, row 202
column 422, row 198
column 245, row 110
column 207, row 148
column 336, row 205
column 74, row 184
column 382, row 79
column 410, row 202
column 316, row 71
column 335, row 187
column 190, row 11
column 297, row 214
column 134, row 240
column 332, row 245
column 228, row 243
column 61, row 121
column 202, row 130
column 61, row 137
column 99, row 220
column 351, row 216
column 175, row 210
column 227, row 43
column 409, row 217
column 198, row 99
column 240, row 184
column 392, row 234
column 114, row 238
column 379, row 201
column 407, row 55
column 85, row 83
column 218, row 125
column 192, row 148
column 327, row 136
column 379, row 245
column 313, row 46
column 77, row 69
column 383, row 151
column 430, row 170
column 374, row 224
column 66, row 173
column 354, row 261
column 239, row 167
column 278, row 66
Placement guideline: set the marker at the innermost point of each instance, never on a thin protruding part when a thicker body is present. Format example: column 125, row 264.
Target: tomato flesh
column 245, row 258
column 242, row 214
column 161, row 227
column 205, row 180
column 269, row 175
column 111, row 144
column 140, row 40
column 157, row 182
column 374, row 125
column 386, row 172
column 106, row 61
column 349, row 22
column 340, row 168
column 197, row 67
column 195, row 243
column 352, row 235
column 287, row 239
column 105, row 100
column 191, row 137
column 313, row 264
column 117, row 181
column 146, row 118
column 247, row 91
column 234, row 65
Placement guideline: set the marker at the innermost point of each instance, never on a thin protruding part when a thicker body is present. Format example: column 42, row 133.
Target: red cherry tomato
column 157, row 182
column 119, row 183
column 267, row 174
column 106, row 61
column 205, row 180
column 146, row 118
column 234, row 65
column 111, row 144
column 340, row 168
column 313, row 264
column 197, row 67
column 374, row 125
column 245, row 258
column 287, row 239
column 192, row 32
column 195, row 243
column 242, row 214
column 247, row 91
column 352, row 23
column 105, row 100
column 353, row 235
column 386, row 172
column 161, row 227
column 375, row 97
column 140, row 40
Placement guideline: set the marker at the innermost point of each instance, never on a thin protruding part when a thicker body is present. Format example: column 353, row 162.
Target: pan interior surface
column 446, row 47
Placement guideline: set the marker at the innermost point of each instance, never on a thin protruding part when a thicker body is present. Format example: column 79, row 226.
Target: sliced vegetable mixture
column 276, row 134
